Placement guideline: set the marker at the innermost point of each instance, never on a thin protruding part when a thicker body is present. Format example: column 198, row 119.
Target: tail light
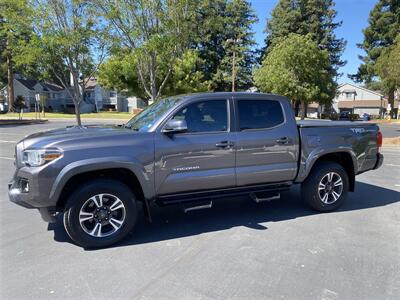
column 379, row 139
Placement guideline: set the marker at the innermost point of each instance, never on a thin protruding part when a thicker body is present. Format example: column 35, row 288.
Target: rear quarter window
column 258, row 114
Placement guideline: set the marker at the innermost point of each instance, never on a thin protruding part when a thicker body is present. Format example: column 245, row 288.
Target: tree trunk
column 10, row 84
column 78, row 113
column 303, row 109
column 296, row 108
column 391, row 102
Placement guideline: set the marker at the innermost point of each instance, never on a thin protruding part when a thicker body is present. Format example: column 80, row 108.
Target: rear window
column 257, row 114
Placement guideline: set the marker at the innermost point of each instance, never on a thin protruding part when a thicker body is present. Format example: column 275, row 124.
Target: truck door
column 201, row 158
column 267, row 142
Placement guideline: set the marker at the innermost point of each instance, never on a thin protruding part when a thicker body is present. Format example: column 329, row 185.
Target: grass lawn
column 100, row 115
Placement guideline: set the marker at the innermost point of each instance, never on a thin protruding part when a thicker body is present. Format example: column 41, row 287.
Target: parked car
column 3, row 108
column 366, row 117
column 189, row 150
column 344, row 115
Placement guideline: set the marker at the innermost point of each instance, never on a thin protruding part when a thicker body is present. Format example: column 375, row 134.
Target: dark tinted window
column 205, row 116
column 255, row 114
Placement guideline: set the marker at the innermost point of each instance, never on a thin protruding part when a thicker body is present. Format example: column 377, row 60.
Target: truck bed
column 328, row 123
column 358, row 138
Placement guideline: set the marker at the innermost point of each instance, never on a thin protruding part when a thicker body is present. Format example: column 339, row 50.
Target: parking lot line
column 8, row 158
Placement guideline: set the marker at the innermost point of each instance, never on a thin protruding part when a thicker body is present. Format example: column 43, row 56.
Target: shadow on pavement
column 171, row 222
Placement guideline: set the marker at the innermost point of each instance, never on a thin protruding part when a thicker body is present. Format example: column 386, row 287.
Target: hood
column 73, row 134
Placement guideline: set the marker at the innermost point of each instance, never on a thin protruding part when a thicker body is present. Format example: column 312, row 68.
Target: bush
column 354, row 117
column 331, row 116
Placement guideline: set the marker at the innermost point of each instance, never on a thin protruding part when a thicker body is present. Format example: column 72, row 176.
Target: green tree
column 380, row 34
column 296, row 68
column 186, row 76
column 67, row 41
column 119, row 72
column 225, row 42
column 313, row 17
column 387, row 67
column 15, row 33
column 157, row 32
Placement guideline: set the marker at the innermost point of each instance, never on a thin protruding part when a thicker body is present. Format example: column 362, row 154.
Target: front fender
column 94, row 164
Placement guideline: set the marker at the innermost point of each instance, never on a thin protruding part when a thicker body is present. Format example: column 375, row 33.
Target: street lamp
column 234, row 42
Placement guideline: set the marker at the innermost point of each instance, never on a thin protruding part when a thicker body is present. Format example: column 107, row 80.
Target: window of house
column 349, row 96
column 205, row 116
column 257, row 114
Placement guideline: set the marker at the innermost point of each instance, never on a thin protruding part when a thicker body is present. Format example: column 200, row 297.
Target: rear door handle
column 283, row 140
column 225, row 144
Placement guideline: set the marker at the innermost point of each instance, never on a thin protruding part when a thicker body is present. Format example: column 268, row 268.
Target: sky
column 354, row 15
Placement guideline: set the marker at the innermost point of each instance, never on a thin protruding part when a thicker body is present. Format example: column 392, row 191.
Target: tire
column 317, row 185
column 100, row 213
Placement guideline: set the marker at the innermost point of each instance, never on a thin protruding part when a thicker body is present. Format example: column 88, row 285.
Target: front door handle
column 224, row 144
column 283, row 140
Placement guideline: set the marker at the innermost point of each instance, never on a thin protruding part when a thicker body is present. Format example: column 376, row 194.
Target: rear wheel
column 100, row 213
column 326, row 187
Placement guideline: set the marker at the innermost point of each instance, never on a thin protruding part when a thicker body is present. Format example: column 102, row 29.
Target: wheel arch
column 345, row 159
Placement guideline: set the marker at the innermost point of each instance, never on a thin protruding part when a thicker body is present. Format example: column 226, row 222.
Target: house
column 110, row 100
column 359, row 100
column 56, row 98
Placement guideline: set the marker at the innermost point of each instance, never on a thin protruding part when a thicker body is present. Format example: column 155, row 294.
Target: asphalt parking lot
column 237, row 249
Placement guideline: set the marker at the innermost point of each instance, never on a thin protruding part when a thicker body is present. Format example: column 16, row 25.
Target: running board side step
column 197, row 206
column 261, row 197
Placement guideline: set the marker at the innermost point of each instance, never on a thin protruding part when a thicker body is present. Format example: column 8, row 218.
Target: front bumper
column 30, row 198
column 379, row 161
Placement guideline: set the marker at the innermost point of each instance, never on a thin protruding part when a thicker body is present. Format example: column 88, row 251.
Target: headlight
column 39, row 157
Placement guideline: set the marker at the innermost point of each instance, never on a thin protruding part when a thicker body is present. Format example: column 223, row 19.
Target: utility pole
column 234, row 42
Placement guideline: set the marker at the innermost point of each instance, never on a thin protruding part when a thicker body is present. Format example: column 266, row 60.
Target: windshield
column 149, row 116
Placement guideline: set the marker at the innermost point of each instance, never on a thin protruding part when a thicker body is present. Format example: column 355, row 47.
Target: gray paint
column 182, row 162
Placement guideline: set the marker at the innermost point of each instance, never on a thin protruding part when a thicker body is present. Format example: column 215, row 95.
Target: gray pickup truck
column 188, row 150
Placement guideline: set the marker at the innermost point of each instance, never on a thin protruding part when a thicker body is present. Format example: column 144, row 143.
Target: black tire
column 112, row 191
column 310, row 189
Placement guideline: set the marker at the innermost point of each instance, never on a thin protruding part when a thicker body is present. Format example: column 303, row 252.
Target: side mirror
column 175, row 126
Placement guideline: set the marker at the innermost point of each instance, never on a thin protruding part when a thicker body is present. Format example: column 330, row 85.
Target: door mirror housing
column 175, row 126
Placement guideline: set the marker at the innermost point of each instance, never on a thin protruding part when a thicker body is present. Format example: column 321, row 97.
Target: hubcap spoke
column 330, row 176
column 321, row 186
column 98, row 200
column 335, row 195
column 325, row 198
column 96, row 230
column 115, row 223
column 84, row 216
column 338, row 182
column 116, row 205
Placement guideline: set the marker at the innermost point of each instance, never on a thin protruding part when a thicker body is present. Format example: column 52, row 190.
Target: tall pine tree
column 383, row 28
column 224, row 36
column 314, row 17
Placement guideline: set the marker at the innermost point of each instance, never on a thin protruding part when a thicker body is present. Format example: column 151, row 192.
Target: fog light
column 24, row 185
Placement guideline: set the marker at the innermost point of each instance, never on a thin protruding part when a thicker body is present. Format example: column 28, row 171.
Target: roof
column 362, row 88
column 29, row 83
column 362, row 103
column 91, row 83
column 52, row 87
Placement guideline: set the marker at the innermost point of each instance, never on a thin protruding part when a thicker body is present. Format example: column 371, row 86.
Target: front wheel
column 100, row 213
column 326, row 187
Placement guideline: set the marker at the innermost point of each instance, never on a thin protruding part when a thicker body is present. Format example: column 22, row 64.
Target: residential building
column 359, row 100
column 58, row 99
column 110, row 100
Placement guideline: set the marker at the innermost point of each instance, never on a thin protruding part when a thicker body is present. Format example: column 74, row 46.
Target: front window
column 148, row 117
column 205, row 116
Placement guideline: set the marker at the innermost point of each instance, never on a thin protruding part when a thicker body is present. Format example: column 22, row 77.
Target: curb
column 21, row 122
